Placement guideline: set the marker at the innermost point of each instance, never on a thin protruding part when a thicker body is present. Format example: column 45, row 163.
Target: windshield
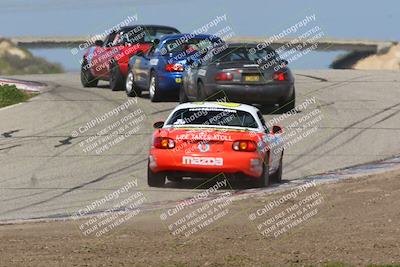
column 139, row 34
column 212, row 117
column 190, row 46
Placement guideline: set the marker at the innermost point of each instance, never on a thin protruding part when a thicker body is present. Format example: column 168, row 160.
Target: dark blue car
column 159, row 70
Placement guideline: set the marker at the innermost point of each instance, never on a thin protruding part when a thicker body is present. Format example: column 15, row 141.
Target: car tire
column 154, row 92
column 277, row 176
column 155, row 179
column 264, row 179
column 183, row 96
column 116, row 79
column 87, row 78
column 130, row 87
column 290, row 104
column 201, row 94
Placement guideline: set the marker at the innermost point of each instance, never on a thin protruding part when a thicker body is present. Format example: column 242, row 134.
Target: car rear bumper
column 246, row 163
column 253, row 94
column 170, row 82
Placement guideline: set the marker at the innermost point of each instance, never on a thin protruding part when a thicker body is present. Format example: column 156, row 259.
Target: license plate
column 252, row 78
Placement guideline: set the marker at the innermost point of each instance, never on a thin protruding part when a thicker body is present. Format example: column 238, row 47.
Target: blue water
column 314, row 60
column 343, row 19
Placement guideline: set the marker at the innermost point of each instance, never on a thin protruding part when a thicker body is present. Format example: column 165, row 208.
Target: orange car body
column 205, row 149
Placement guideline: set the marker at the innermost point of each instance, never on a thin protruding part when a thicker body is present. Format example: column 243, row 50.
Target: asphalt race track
column 46, row 172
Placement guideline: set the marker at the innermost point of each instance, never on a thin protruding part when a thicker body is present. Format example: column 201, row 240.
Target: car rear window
column 212, row 117
column 233, row 54
column 140, row 34
column 190, row 46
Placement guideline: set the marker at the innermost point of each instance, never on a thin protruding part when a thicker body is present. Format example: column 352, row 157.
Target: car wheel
column 277, row 176
column 116, row 78
column 264, row 179
column 130, row 87
column 154, row 92
column 155, row 179
column 290, row 104
column 201, row 95
column 87, row 78
column 182, row 96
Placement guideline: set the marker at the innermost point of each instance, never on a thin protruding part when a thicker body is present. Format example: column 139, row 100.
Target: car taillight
column 163, row 142
column 224, row 76
column 279, row 76
column 175, row 67
column 244, row 145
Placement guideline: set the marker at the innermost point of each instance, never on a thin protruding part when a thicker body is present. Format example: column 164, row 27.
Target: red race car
column 204, row 139
column 108, row 60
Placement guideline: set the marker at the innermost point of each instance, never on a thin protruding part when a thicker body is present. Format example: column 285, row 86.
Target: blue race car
column 159, row 70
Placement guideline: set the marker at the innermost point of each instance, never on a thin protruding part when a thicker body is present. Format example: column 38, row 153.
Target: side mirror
column 98, row 43
column 158, row 124
column 276, row 129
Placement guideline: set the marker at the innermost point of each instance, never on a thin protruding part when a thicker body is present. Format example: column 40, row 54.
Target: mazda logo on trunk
column 203, row 147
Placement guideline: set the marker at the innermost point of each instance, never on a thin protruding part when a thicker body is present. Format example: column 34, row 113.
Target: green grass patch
column 10, row 95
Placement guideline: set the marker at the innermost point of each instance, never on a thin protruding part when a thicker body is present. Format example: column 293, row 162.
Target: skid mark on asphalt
column 62, row 124
column 54, row 91
column 101, row 178
column 9, row 133
column 313, row 77
column 348, row 127
column 24, row 196
column 8, row 148
column 327, row 104
column 66, row 141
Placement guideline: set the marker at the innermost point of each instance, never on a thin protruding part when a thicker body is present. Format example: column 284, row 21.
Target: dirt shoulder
column 357, row 223
column 388, row 61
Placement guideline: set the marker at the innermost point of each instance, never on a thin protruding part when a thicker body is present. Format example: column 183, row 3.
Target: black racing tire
column 116, row 79
column 131, row 88
column 154, row 91
column 277, row 176
column 289, row 104
column 183, row 98
column 87, row 78
column 201, row 94
column 155, row 179
column 264, row 179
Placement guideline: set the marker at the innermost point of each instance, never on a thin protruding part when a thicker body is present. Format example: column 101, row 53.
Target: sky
column 339, row 18
column 357, row 19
